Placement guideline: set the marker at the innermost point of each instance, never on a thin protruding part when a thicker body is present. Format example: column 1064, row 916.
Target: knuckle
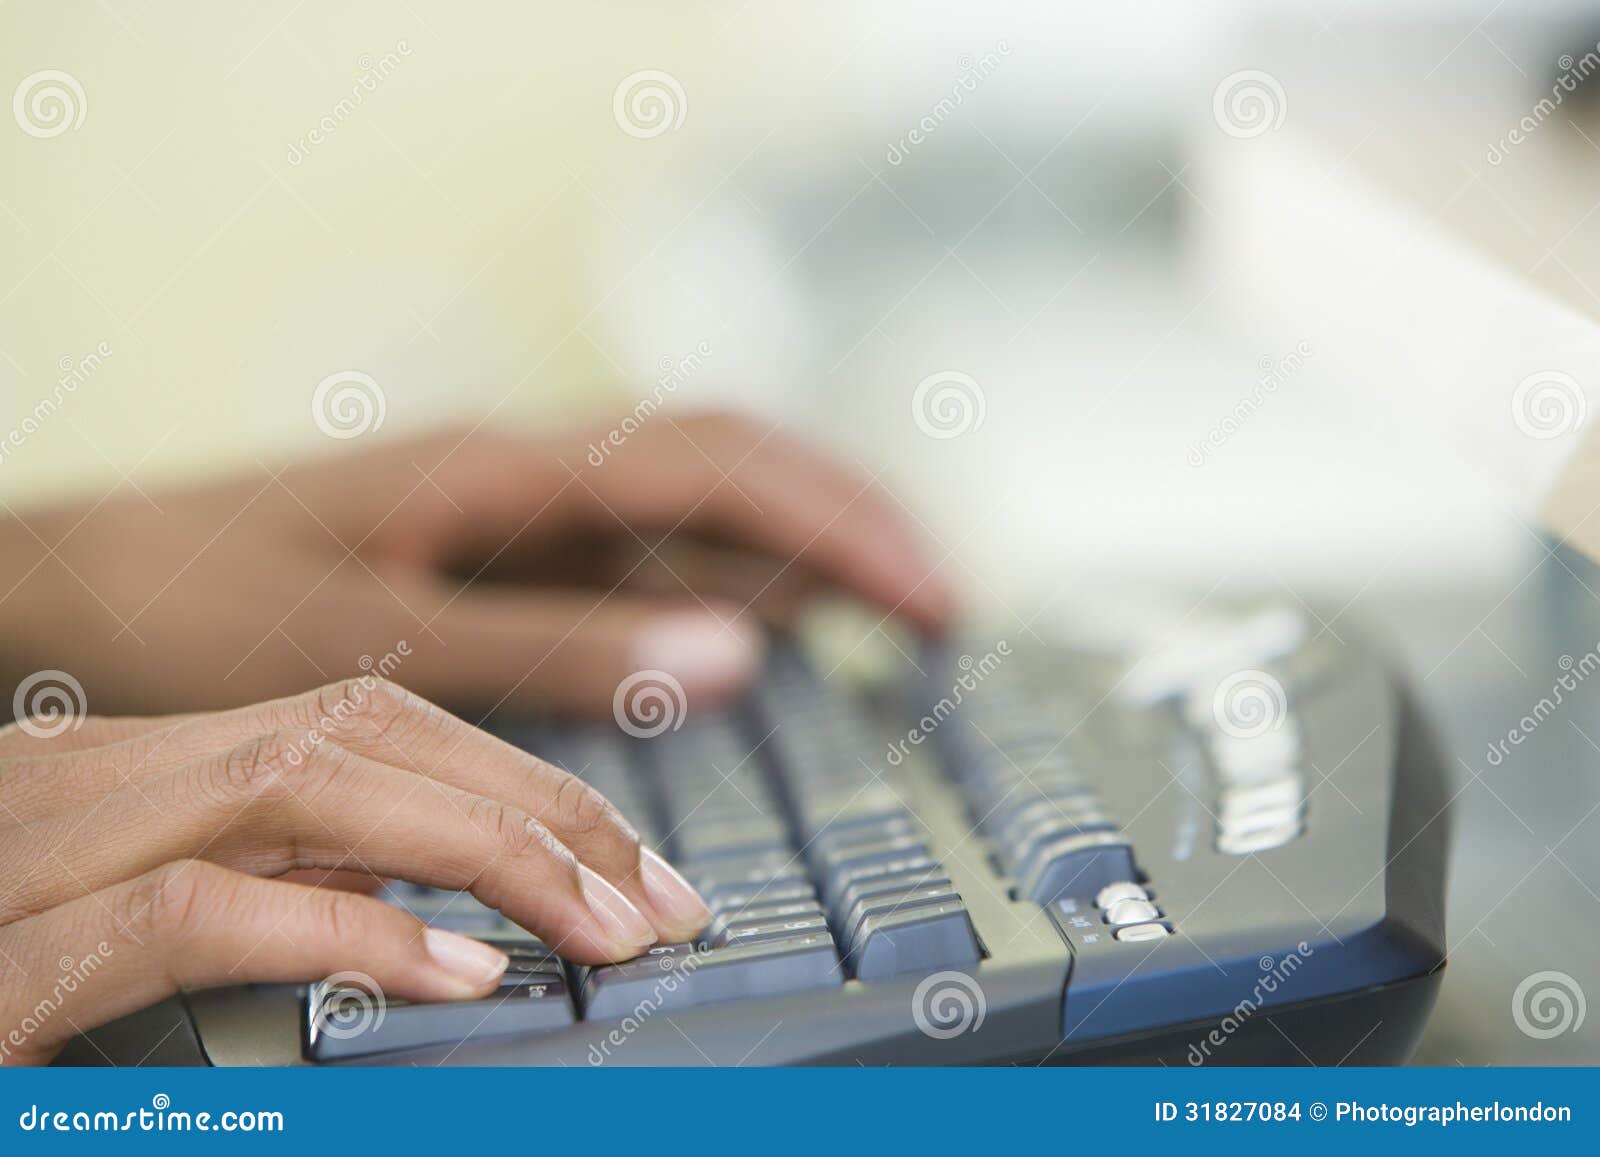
column 367, row 706
column 347, row 917
column 507, row 826
column 261, row 764
column 518, row 833
column 173, row 900
column 270, row 768
column 580, row 810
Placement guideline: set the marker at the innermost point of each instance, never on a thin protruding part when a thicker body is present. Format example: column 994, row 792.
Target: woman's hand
column 538, row 572
column 137, row 857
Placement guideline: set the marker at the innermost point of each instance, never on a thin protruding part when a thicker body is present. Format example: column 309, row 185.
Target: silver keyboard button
column 1132, row 912
column 1123, row 890
column 1139, row 932
column 1284, row 791
column 1255, row 759
column 1248, row 843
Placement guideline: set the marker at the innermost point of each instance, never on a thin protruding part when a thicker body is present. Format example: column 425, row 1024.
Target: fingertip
column 614, row 926
column 684, row 915
column 467, row 968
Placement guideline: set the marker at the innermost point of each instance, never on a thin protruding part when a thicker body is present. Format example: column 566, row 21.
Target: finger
column 567, row 651
column 275, row 804
column 23, row 741
column 191, row 925
column 756, row 486
column 718, row 574
column 381, row 721
column 712, row 474
column 384, row 722
column 59, row 781
column 334, row 878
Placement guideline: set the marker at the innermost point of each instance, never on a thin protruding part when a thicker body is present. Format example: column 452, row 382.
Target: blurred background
column 1133, row 311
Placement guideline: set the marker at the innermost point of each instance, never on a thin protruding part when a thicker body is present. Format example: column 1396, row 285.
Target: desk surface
column 1524, row 891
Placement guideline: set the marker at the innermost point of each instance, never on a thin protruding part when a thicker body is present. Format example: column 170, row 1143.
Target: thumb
column 574, row 650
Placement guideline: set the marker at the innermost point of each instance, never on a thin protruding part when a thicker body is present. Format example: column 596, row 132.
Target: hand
column 134, row 852
column 512, row 570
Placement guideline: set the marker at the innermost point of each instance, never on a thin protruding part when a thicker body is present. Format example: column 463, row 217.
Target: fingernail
column 672, row 895
column 474, row 964
column 698, row 649
column 621, row 923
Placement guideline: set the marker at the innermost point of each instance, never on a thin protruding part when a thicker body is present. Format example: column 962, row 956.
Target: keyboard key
column 758, row 931
column 918, row 940
column 874, row 852
column 731, row 839
column 884, row 885
column 1018, row 859
column 791, row 910
column 885, row 903
column 1121, row 890
column 711, row 975
column 1132, row 912
column 744, row 874
column 1260, row 840
column 839, row 883
column 732, row 899
column 343, row 1022
column 1142, row 932
column 1078, row 865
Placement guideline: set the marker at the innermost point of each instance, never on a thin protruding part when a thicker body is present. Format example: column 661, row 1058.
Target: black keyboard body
column 1008, row 859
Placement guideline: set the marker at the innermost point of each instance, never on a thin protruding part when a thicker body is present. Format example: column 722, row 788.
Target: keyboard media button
column 1121, row 890
column 1137, row 933
column 1132, row 912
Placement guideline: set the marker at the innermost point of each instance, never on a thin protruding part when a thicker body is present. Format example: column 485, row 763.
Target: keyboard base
column 1378, row 1026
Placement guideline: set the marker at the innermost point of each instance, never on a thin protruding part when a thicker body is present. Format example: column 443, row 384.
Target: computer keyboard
column 1020, row 854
